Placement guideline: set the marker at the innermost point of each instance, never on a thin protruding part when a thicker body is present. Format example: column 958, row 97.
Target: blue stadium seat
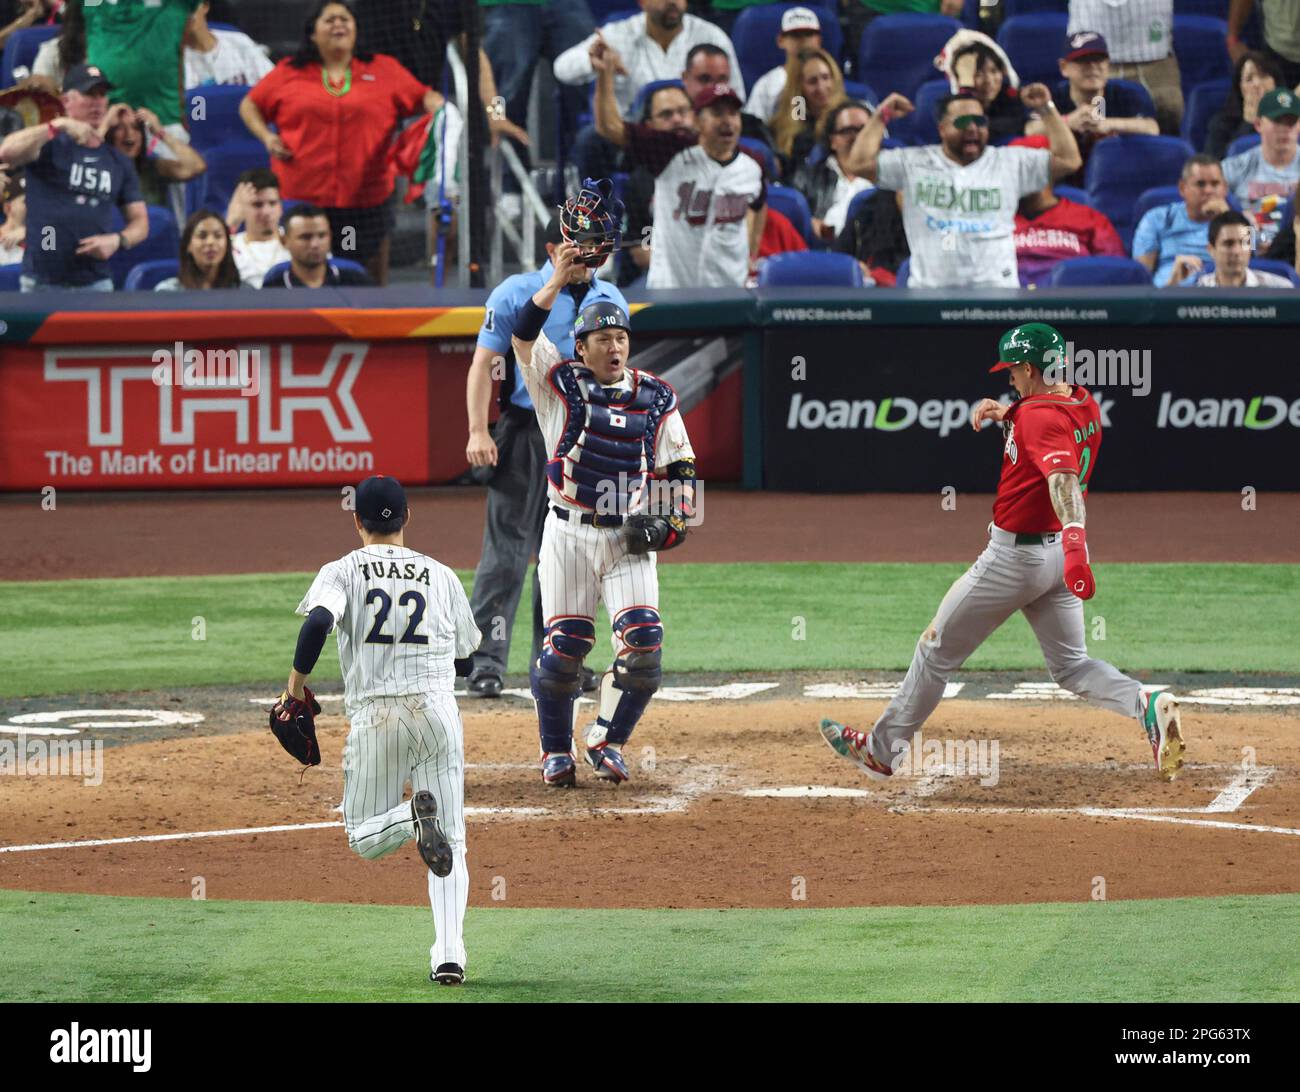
column 1201, row 50
column 1242, row 144
column 923, row 128
column 277, row 271
column 1276, row 265
column 1145, row 102
column 1012, row 8
column 765, row 154
column 643, row 96
column 20, row 51
column 1033, row 42
column 610, row 11
column 164, row 242
column 1216, row 9
column 1154, row 198
column 213, row 116
column 812, row 268
column 1122, row 167
column 1073, row 193
column 1202, row 102
column 1084, row 272
column 9, row 275
column 897, row 51
column 225, row 165
column 754, row 37
column 794, row 206
column 904, row 271
column 862, row 92
column 145, row 275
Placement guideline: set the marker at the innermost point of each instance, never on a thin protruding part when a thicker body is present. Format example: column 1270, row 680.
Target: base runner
column 1036, row 562
column 405, row 630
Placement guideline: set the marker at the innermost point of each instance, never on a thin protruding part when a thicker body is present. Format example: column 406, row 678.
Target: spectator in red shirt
column 1050, row 229
column 337, row 109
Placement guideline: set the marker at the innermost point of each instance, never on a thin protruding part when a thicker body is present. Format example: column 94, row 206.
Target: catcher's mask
column 593, row 221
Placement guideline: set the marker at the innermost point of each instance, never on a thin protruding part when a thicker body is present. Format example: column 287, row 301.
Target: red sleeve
column 779, row 235
column 408, row 92
column 268, row 92
column 653, row 148
column 1105, row 239
column 1044, row 436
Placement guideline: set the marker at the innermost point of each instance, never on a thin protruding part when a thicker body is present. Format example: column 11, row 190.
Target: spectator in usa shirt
column 710, row 194
column 1051, row 228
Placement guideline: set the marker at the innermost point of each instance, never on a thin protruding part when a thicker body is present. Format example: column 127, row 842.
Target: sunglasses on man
column 965, row 121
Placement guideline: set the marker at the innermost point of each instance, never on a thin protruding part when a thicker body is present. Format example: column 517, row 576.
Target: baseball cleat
column 856, row 747
column 448, row 974
column 608, row 762
column 429, row 838
column 558, row 770
column 1164, row 729
column 486, row 685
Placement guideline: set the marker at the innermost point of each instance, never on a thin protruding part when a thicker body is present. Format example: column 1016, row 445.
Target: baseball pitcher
column 1036, row 562
column 405, row 630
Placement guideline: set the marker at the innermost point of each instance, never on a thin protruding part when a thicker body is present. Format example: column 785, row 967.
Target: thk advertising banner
column 887, row 409
column 302, row 412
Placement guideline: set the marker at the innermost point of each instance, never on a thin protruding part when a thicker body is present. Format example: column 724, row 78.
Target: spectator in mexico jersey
column 1181, row 227
column 307, row 238
column 221, row 57
column 1050, row 228
column 138, row 45
column 74, row 181
column 1093, row 105
column 1263, row 177
column 1231, row 236
column 709, row 195
column 337, row 109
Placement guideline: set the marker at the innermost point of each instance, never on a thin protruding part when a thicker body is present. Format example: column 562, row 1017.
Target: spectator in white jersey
column 1231, row 245
column 960, row 196
column 710, row 194
column 1263, row 177
column 1140, row 34
column 255, row 206
column 220, row 56
column 800, row 30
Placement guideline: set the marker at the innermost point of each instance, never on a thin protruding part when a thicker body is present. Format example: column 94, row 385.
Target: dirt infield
column 122, row 534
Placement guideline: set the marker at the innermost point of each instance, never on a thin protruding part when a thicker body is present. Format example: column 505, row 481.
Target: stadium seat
column 225, row 165
column 164, row 241
column 1122, row 167
column 754, row 37
column 1202, row 102
column 1276, row 265
column 213, row 116
column 862, row 92
column 765, row 155
column 1086, row 272
column 1012, row 8
column 1201, row 51
column 610, row 11
column 9, row 275
column 904, row 270
column 897, row 51
column 1242, row 144
column 20, row 51
column 1154, row 198
column 277, row 271
column 923, row 128
column 1145, row 101
column 1033, row 42
column 1073, row 193
column 795, row 207
column 146, row 275
column 811, row 268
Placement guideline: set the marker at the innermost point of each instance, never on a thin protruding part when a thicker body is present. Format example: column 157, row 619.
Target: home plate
column 806, row 791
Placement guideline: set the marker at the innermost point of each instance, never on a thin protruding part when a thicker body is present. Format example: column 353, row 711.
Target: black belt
column 1026, row 538
column 592, row 519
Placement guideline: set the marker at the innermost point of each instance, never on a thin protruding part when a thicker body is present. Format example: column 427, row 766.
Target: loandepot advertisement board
column 887, row 408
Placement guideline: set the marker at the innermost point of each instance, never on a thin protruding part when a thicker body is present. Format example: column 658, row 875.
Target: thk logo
column 327, row 391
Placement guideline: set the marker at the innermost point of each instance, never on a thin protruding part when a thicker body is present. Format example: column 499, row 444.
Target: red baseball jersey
column 1043, row 433
column 1066, row 230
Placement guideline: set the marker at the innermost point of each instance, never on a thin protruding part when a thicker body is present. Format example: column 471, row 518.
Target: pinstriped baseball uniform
column 401, row 619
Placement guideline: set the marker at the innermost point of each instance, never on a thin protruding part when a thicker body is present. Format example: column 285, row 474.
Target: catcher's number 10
column 409, row 637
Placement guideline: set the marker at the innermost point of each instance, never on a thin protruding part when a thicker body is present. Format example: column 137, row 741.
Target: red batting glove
column 1078, row 573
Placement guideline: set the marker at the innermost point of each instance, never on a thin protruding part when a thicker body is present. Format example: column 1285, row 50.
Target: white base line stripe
column 1103, row 813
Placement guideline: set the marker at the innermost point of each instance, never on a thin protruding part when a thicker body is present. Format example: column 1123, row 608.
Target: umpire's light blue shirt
column 508, row 299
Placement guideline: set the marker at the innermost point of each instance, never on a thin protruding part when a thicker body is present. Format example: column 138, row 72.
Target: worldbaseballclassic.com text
column 211, row 369
column 35, row 756
column 114, row 1046
column 949, row 758
column 1100, row 368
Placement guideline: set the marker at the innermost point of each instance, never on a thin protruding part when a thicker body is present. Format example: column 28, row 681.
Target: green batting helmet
column 1030, row 344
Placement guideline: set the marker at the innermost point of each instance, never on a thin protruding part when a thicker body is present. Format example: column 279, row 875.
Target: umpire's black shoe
column 590, row 680
column 448, row 974
column 484, row 685
column 429, row 838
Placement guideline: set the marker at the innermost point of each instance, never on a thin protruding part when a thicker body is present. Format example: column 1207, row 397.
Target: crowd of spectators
column 987, row 189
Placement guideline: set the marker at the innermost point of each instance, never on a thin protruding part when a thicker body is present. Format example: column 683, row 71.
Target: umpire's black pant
column 516, row 510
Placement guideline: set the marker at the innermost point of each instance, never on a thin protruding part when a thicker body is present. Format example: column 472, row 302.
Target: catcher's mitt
column 645, row 532
column 294, row 725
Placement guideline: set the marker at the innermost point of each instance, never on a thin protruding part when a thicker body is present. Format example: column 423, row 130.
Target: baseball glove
column 645, row 532
column 294, row 725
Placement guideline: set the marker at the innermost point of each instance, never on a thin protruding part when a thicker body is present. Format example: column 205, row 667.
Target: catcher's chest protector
column 607, row 447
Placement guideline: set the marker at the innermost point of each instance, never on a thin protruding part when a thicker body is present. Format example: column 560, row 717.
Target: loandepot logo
column 1264, row 411
column 942, row 415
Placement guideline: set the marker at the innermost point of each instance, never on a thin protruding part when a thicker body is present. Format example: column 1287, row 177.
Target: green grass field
column 94, row 635
column 85, row 948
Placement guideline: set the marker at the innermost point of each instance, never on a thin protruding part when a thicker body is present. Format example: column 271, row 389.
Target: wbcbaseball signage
column 851, row 410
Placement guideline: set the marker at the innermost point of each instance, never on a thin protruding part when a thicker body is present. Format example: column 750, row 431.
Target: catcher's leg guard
column 556, row 679
column 626, row 691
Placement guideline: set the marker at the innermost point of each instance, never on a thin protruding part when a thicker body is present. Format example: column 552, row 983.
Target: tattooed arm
column 1067, row 498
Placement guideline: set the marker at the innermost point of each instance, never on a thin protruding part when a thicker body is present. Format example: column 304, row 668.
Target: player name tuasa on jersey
column 389, row 570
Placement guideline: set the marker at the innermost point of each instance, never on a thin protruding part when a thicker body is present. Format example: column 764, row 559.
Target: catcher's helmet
column 600, row 315
column 593, row 220
column 1033, row 343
